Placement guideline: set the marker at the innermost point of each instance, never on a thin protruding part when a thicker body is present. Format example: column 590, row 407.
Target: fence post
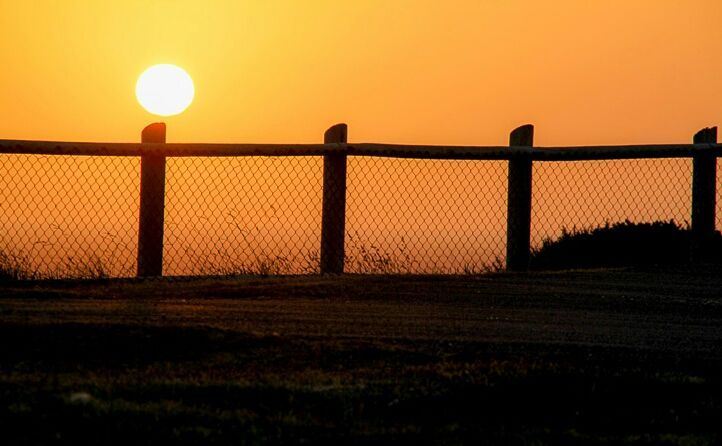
column 518, row 223
column 333, row 218
column 152, row 205
column 704, row 185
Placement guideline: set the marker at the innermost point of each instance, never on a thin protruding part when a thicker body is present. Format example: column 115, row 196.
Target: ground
column 577, row 357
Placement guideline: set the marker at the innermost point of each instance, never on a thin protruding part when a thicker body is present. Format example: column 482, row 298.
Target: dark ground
column 586, row 357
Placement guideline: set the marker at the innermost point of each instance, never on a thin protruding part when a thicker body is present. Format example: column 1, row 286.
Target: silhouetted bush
column 619, row 244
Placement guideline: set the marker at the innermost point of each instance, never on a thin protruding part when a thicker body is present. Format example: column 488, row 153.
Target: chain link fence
column 77, row 216
column 68, row 216
column 243, row 215
column 425, row 216
column 581, row 195
column 719, row 195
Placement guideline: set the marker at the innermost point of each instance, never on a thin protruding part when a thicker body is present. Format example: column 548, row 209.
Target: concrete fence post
column 333, row 218
column 704, row 193
column 518, row 223
column 152, row 205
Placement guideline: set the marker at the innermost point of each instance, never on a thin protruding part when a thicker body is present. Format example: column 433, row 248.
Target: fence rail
column 520, row 155
column 570, row 153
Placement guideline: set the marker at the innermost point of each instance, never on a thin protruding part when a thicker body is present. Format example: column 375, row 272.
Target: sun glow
column 165, row 90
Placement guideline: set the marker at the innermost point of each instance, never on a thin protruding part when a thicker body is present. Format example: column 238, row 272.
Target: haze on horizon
column 401, row 71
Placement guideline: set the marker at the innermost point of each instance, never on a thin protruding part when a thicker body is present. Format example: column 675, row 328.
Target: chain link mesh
column 245, row 215
column 68, row 216
column 425, row 216
column 77, row 216
column 582, row 195
column 718, row 212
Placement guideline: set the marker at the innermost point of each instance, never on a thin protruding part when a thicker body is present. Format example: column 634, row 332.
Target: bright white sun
column 165, row 90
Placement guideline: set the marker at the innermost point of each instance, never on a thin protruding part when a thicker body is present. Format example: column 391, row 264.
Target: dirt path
column 660, row 310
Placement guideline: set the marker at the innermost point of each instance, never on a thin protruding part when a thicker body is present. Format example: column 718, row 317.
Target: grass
column 360, row 259
column 211, row 386
column 16, row 267
column 364, row 257
column 91, row 268
column 597, row 357
column 612, row 245
column 20, row 267
column 372, row 259
column 222, row 263
column 495, row 266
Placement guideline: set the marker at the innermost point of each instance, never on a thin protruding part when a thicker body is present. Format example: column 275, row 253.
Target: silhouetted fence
column 332, row 207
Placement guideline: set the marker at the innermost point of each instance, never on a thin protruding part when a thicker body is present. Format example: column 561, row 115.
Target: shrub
column 619, row 244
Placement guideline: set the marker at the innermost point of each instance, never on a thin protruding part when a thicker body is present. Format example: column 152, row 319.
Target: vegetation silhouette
column 620, row 244
column 15, row 267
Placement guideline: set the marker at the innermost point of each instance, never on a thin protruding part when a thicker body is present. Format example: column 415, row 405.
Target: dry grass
column 15, row 266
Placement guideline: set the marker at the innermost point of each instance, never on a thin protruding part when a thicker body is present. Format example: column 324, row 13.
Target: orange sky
column 457, row 72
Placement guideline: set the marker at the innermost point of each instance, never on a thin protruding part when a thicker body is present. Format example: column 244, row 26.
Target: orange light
column 165, row 90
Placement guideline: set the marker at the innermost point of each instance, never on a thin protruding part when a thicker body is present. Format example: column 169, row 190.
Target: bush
column 619, row 244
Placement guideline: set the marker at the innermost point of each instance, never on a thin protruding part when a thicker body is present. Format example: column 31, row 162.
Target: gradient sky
column 456, row 72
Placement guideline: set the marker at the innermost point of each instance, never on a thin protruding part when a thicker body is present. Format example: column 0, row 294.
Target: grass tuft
column 14, row 266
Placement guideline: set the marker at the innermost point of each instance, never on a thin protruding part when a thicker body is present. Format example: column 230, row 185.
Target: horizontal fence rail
column 342, row 213
column 581, row 153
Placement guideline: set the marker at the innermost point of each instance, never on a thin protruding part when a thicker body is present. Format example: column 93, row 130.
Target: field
column 630, row 356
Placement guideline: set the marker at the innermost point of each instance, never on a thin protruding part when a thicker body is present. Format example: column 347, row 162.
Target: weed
column 371, row 259
column 221, row 262
column 16, row 266
column 495, row 266
column 19, row 266
column 93, row 268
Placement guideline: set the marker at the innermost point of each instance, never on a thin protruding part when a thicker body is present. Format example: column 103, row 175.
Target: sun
column 165, row 90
